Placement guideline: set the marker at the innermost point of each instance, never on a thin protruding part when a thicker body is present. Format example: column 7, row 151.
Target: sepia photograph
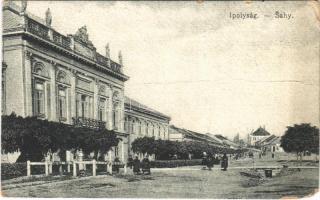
column 160, row 99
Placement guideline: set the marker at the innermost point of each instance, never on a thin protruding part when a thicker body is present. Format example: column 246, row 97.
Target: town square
column 159, row 99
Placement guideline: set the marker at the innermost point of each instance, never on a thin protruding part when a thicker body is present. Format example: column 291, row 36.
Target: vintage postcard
column 160, row 99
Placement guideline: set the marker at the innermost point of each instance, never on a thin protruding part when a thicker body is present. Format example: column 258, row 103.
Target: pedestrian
column 130, row 161
column 224, row 162
column 210, row 162
column 136, row 165
column 146, row 165
column 117, row 164
column 204, row 160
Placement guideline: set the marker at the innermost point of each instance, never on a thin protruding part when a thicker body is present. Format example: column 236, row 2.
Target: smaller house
column 258, row 135
column 271, row 144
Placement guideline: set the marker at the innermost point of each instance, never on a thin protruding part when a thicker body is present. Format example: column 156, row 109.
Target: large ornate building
column 63, row 78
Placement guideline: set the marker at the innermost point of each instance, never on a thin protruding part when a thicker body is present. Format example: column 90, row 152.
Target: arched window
column 40, row 69
column 140, row 128
column 116, row 110
column 62, row 103
column 62, row 77
column 147, row 129
column 132, row 126
column 39, row 98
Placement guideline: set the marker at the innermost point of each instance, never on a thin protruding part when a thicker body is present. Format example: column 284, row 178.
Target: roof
column 267, row 139
column 196, row 136
column 227, row 141
column 273, row 140
column 132, row 104
column 260, row 132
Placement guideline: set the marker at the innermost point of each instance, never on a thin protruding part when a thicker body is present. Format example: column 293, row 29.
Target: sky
column 208, row 72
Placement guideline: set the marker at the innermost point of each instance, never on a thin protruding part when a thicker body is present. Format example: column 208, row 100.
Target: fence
column 81, row 165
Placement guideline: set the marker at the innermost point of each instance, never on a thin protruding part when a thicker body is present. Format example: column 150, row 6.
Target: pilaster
column 53, row 93
column 95, row 98
column 28, row 82
column 73, row 101
column 110, row 109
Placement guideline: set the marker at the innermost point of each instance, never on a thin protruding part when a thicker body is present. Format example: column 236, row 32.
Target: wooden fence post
column 28, row 168
column 125, row 168
column 74, row 169
column 46, row 168
column 60, row 169
column 50, row 167
column 93, row 167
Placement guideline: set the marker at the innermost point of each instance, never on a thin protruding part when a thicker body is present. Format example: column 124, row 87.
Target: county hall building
column 63, row 78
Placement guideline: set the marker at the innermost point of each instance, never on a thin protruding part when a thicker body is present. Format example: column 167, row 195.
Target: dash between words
column 250, row 15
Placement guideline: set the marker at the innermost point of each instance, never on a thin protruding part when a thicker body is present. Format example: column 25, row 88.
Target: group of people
column 139, row 167
column 209, row 161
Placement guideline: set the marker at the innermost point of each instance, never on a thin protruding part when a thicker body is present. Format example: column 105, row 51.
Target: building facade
column 142, row 121
column 257, row 135
column 64, row 79
column 60, row 78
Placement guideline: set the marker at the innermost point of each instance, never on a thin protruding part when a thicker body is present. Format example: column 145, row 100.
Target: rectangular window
column 62, row 104
column 39, row 99
column 116, row 151
column 83, row 106
column 102, row 110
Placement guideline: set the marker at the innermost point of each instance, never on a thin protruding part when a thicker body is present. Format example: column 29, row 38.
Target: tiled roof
column 135, row 105
column 260, row 132
column 196, row 136
column 227, row 141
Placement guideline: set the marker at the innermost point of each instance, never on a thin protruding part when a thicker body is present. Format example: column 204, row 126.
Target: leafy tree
column 34, row 138
column 301, row 138
column 144, row 145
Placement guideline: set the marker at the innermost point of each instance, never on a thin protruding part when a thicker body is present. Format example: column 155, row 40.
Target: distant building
column 141, row 121
column 270, row 144
column 258, row 135
column 227, row 142
column 180, row 134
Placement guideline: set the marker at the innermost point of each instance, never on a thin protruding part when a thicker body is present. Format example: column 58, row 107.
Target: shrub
column 174, row 163
column 13, row 170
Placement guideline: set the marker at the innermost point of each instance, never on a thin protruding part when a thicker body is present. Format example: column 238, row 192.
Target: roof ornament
column 120, row 58
column 24, row 5
column 82, row 35
column 107, row 51
column 48, row 17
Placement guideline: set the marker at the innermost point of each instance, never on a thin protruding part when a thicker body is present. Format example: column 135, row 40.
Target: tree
column 301, row 138
column 144, row 145
column 34, row 138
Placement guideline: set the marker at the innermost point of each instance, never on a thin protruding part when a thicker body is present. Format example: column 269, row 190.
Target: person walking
column 204, row 160
column 146, row 165
column 136, row 165
column 224, row 162
column 210, row 162
column 117, row 164
column 130, row 162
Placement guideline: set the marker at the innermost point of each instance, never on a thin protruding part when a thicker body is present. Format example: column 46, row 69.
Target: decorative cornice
column 71, row 53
